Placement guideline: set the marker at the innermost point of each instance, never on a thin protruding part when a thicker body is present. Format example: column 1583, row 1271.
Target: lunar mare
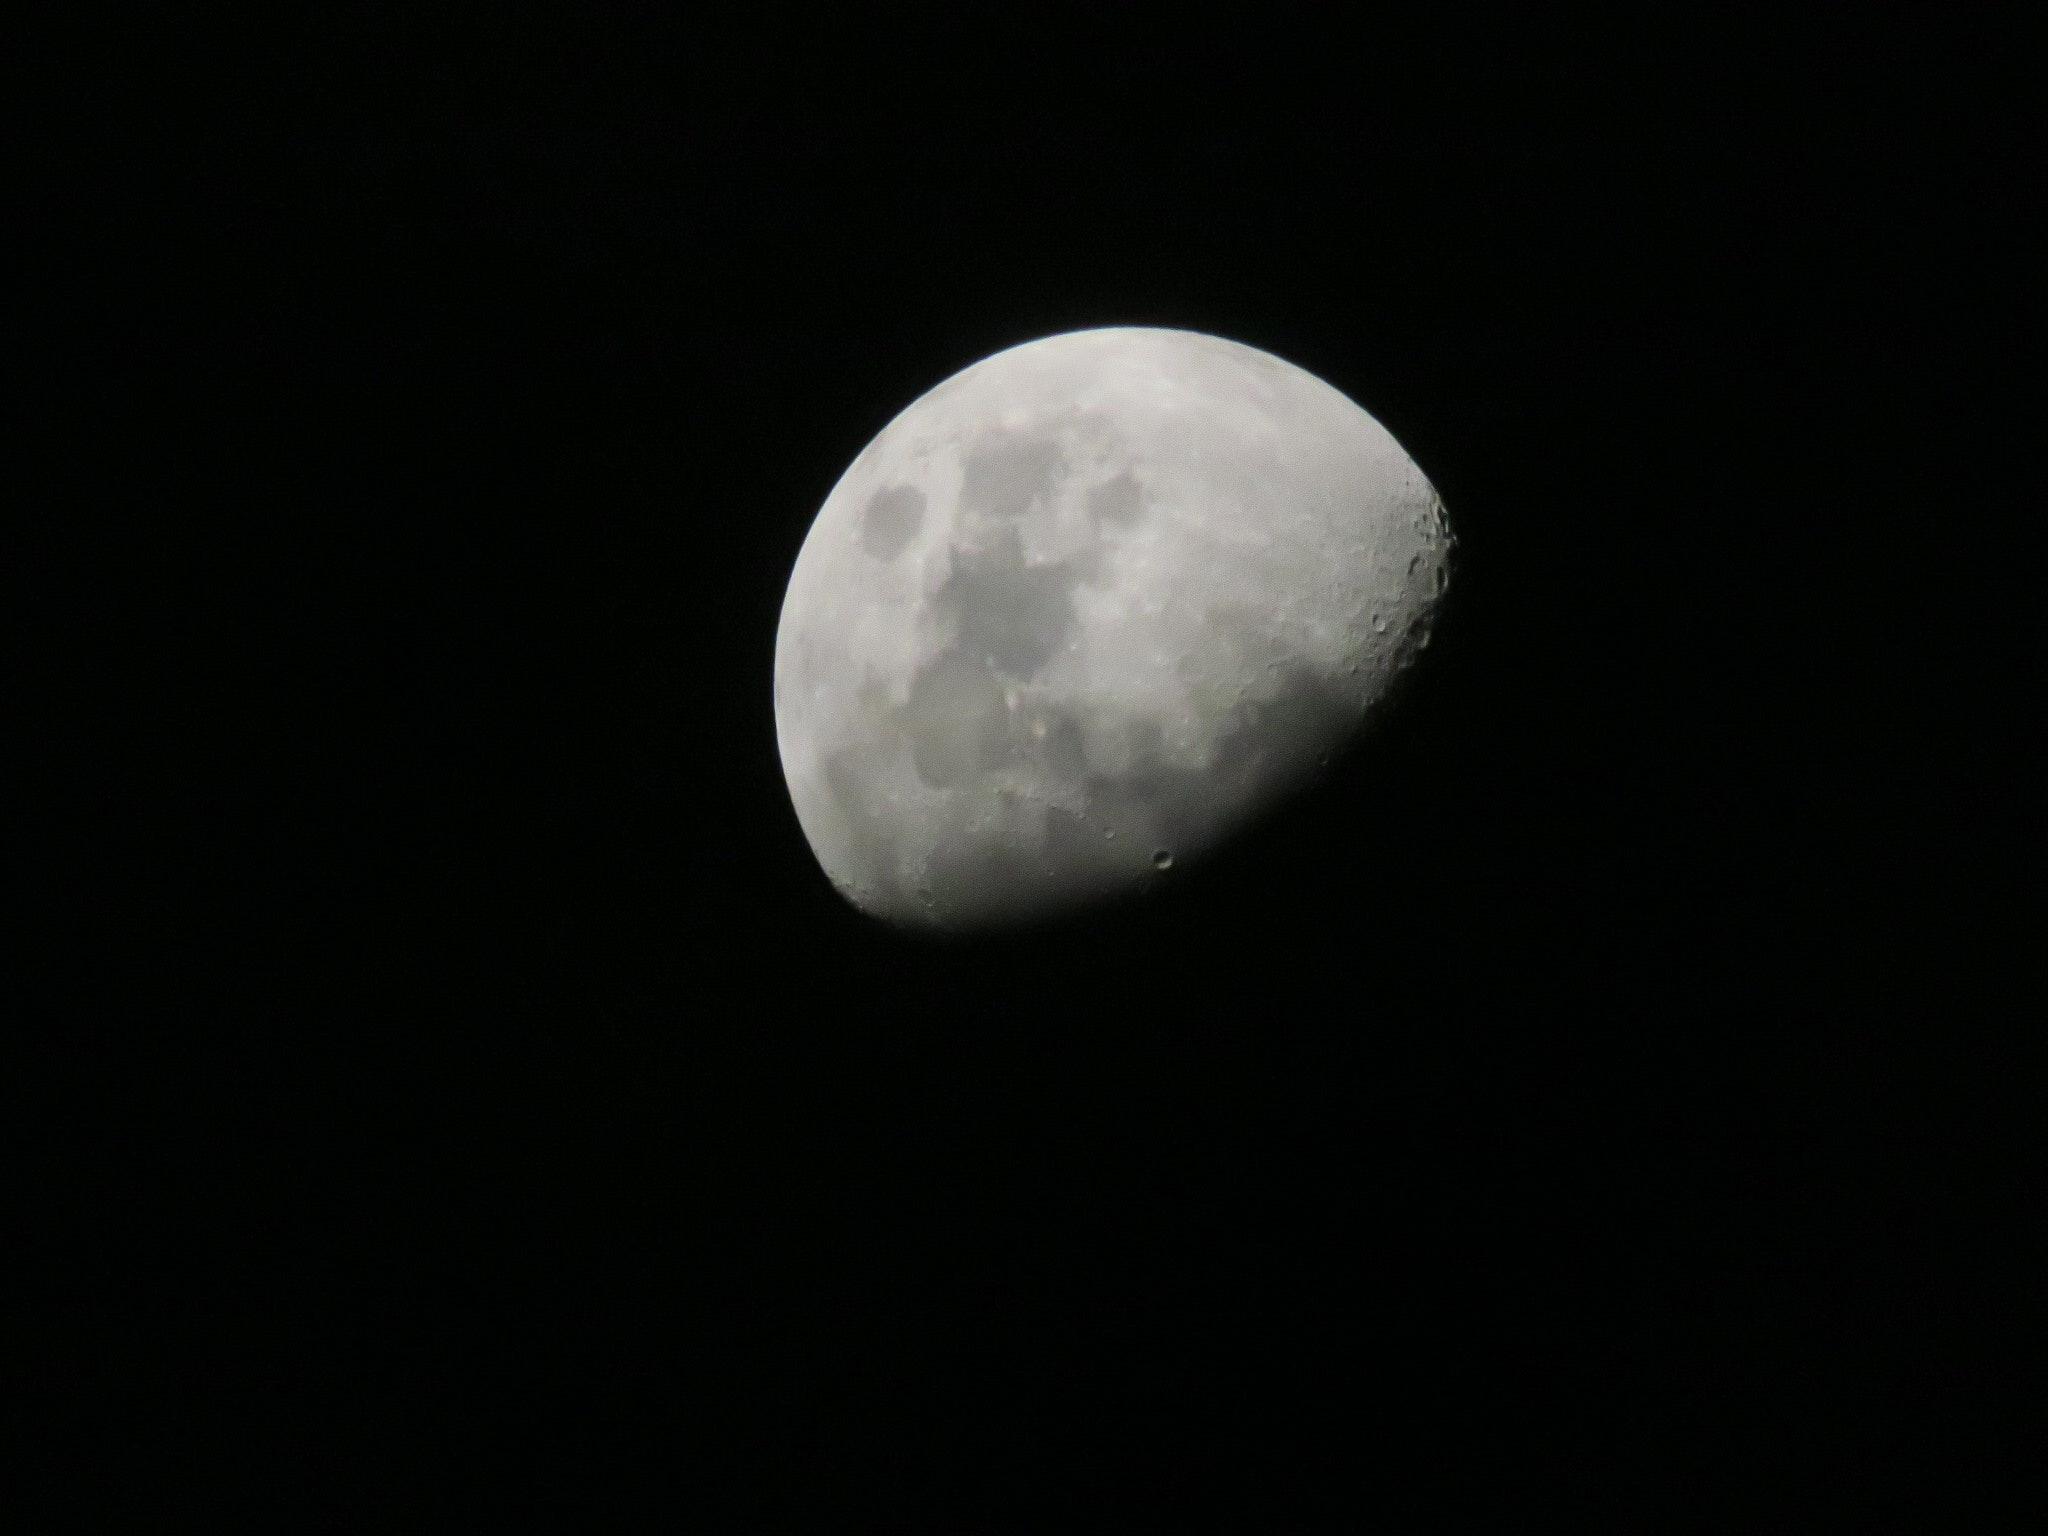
column 1086, row 610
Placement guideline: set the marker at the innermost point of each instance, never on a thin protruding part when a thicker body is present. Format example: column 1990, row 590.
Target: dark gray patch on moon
column 956, row 720
column 890, row 520
column 1054, row 742
column 1282, row 739
column 1073, row 846
column 1174, row 804
column 1119, row 502
column 1005, row 612
column 968, row 876
column 1005, row 472
column 964, row 873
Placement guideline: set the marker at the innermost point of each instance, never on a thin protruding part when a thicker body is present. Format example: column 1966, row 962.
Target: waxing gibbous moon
column 1085, row 611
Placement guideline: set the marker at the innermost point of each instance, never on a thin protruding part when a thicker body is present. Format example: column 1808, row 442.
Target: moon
column 1085, row 612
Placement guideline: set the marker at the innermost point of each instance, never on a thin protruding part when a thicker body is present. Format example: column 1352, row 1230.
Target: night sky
column 474, row 1106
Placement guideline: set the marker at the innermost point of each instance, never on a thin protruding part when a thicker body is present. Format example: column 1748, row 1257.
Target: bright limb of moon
column 1086, row 610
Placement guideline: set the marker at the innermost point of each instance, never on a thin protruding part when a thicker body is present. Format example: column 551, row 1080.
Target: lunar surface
column 1085, row 611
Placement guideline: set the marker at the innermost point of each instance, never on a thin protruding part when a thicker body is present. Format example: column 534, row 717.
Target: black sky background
column 473, row 1103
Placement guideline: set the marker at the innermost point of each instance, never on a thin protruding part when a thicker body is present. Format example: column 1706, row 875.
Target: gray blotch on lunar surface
column 890, row 520
column 1085, row 611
